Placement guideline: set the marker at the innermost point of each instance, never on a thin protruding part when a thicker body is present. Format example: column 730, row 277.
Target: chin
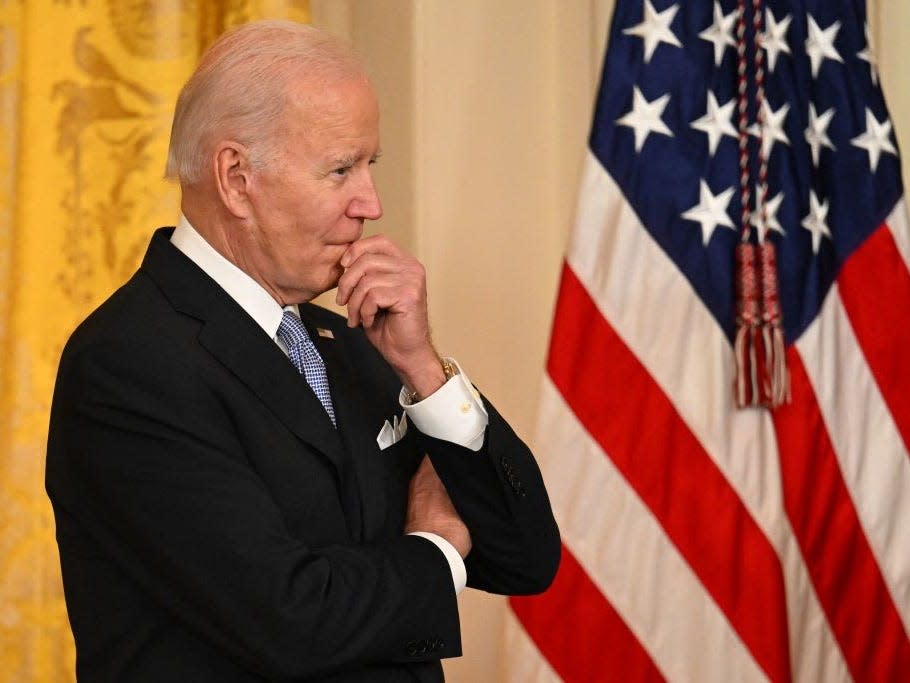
column 331, row 282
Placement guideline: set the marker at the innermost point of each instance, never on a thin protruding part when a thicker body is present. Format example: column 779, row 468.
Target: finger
column 375, row 244
column 374, row 295
column 386, row 290
column 346, row 285
column 366, row 263
column 375, row 302
column 368, row 312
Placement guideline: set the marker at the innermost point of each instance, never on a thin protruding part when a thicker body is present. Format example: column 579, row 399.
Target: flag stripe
column 522, row 660
column 843, row 568
column 879, row 486
column 682, row 486
column 651, row 306
column 630, row 558
column 899, row 225
column 879, row 308
column 581, row 634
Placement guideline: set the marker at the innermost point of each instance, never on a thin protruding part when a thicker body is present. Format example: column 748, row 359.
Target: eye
column 342, row 171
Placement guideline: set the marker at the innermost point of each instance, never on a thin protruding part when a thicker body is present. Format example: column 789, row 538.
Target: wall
column 486, row 109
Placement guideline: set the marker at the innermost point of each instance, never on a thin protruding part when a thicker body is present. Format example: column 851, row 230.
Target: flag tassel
column 748, row 339
column 762, row 378
column 776, row 388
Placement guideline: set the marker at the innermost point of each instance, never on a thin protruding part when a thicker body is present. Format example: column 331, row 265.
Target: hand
column 385, row 291
column 430, row 509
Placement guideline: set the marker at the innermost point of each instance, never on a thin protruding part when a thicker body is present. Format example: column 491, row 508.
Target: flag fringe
column 762, row 378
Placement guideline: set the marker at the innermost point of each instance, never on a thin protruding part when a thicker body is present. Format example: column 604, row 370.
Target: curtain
column 87, row 89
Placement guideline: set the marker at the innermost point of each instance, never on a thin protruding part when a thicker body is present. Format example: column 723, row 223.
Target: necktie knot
column 306, row 359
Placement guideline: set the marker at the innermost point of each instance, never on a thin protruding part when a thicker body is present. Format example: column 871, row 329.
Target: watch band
column 449, row 369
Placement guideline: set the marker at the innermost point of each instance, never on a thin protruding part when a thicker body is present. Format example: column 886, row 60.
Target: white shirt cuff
column 454, row 412
column 456, row 564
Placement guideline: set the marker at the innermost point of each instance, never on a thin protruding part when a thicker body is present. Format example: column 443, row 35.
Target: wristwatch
column 449, row 369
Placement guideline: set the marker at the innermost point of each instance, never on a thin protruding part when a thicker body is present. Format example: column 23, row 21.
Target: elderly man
column 248, row 487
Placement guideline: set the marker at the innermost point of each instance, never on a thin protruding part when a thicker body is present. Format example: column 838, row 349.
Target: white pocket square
column 391, row 434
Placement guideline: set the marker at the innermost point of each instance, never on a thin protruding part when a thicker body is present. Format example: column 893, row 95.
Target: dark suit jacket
column 214, row 526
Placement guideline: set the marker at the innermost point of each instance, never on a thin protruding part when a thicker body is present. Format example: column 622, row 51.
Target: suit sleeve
column 499, row 494
column 144, row 458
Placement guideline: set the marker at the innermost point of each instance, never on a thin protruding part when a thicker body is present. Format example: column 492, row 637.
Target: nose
column 366, row 202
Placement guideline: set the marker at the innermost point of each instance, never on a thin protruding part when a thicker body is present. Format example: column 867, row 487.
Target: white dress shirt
column 453, row 413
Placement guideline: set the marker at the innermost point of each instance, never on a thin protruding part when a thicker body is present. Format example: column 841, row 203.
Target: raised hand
column 385, row 291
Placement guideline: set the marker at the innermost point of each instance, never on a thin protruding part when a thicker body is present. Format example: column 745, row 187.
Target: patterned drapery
column 87, row 89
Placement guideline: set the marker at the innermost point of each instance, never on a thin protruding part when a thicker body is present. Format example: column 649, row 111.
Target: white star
column 774, row 37
column 815, row 221
column 820, row 44
column 867, row 54
column 720, row 32
column 817, row 132
column 710, row 211
column 716, row 122
column 875, row 139
column 772, row 129
column 644, row 117
column 771, row 222
column 655, row 28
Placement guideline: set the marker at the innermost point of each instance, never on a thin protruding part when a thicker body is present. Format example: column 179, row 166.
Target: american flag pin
column 328, row 334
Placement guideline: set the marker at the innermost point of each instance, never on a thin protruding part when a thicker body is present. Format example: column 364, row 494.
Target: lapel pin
column 328, row 334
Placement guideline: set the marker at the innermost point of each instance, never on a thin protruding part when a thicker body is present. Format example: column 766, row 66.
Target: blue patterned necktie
column 306, row 359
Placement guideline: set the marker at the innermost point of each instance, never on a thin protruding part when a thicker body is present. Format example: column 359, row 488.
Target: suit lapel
column 238, row 343
column 265, row 370
column 359, row 422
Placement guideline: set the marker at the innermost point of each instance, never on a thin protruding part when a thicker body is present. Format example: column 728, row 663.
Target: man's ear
column 233, row 174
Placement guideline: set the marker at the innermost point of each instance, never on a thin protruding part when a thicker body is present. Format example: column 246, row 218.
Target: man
column 223, row 515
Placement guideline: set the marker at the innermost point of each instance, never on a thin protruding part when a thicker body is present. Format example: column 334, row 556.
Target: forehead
column 347, row 103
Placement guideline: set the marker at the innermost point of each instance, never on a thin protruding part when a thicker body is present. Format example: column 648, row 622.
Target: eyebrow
column 351, row 159
column 343, row 162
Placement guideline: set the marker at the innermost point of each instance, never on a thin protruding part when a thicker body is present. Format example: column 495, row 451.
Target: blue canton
column 665, row 129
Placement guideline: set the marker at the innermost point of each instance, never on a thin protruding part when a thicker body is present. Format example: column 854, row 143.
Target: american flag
column 703, row 542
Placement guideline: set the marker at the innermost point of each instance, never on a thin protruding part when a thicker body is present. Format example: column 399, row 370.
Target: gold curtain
column 87, row 88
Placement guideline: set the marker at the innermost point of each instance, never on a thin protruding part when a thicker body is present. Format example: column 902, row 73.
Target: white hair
column 240, row 88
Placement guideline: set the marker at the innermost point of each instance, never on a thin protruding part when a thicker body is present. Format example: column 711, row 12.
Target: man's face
column 309, row 204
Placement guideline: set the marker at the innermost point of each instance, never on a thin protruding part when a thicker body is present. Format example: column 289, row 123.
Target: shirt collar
column 243, row 289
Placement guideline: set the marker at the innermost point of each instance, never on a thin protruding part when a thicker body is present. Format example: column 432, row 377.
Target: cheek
column 330, row 214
